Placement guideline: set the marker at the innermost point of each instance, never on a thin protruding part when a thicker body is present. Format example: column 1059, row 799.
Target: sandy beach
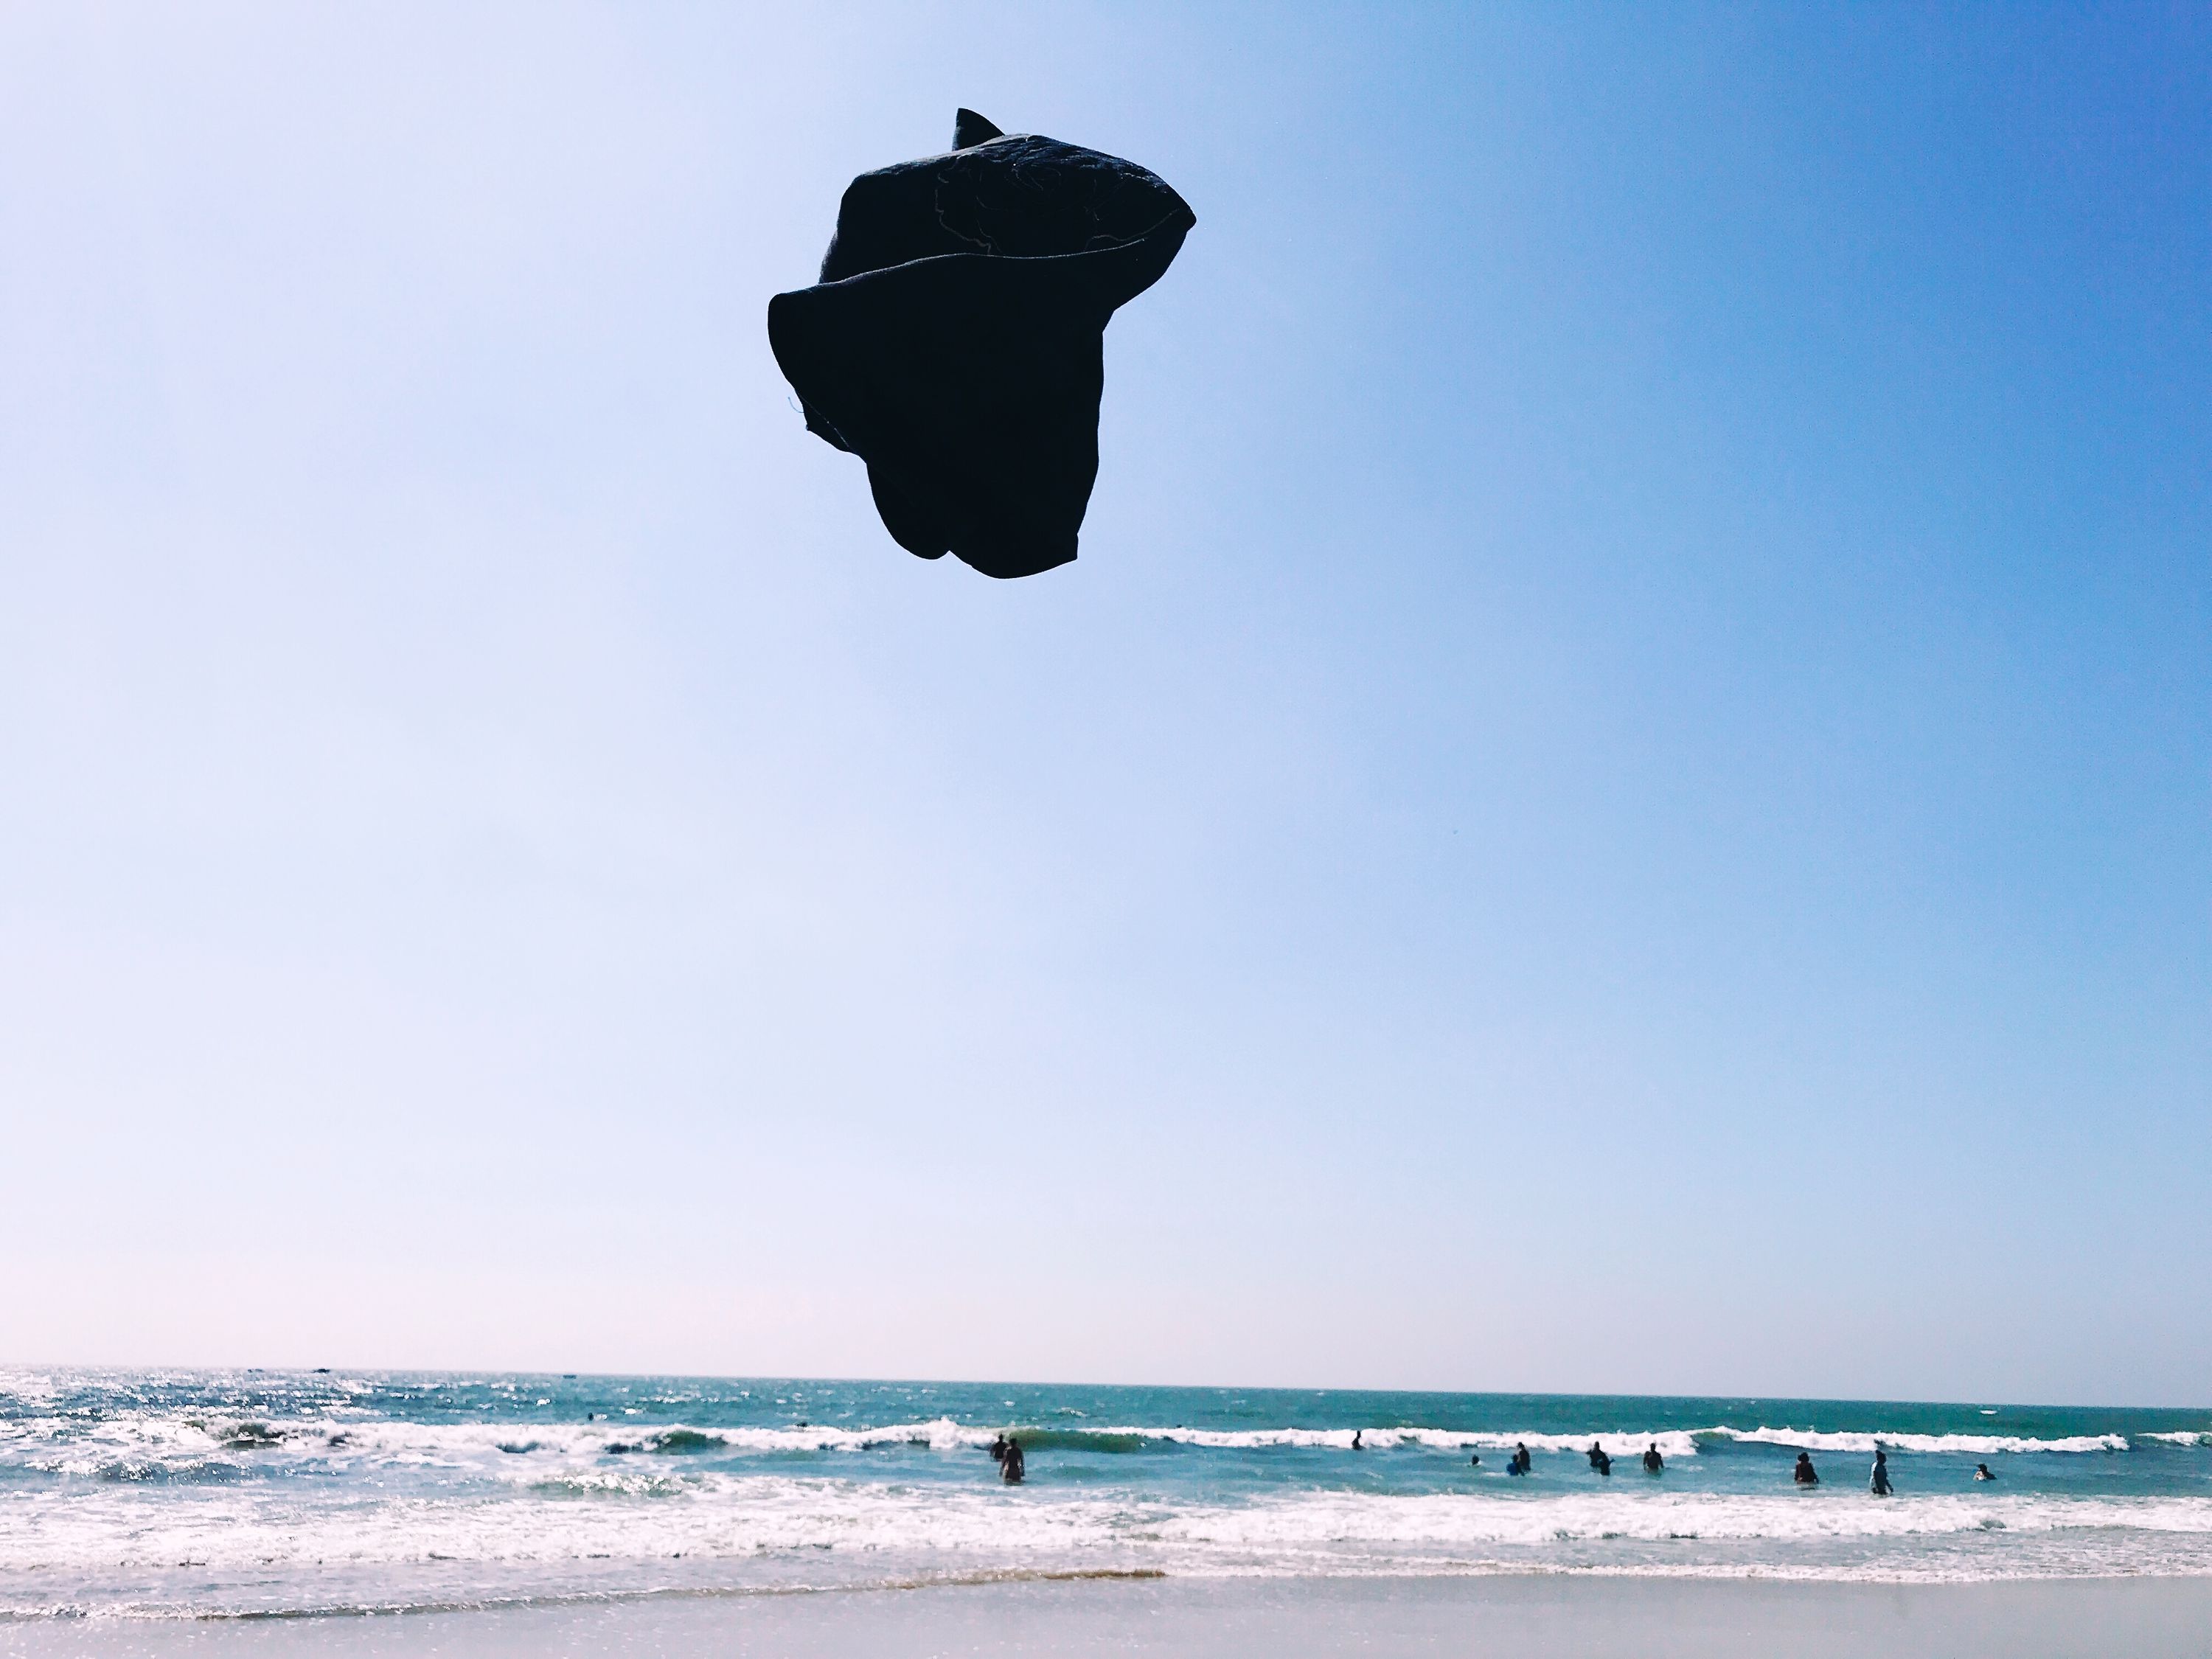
column 1509, row 1616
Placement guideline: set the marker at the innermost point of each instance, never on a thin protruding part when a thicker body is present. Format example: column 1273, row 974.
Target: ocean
column 153, row 1494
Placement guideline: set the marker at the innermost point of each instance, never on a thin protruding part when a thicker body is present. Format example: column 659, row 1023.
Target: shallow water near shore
column 249, row 1495
column 1500, row 1617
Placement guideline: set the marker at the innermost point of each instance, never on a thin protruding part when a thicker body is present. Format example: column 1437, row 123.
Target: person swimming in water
column 1356, row 1446
column 1518, row 1463
column 1805, row 1475
column 1011, row 1467
column 1652, row 1462
column 1598, row 1460
column 999, row 1448
column 1879, row 1485
column 1475, row 1462
column 1982, row 1472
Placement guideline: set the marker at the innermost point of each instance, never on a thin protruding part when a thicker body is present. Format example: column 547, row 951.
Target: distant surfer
column 999, row 1449
column 1475, row 1462
column 1879, row 1485
column 1010, row 1466
column 1598, row 1460
column 1982, row 1472
column 1652, row 1462
column 1518, row 1463
column 1356, row 1446
column 1805, row 1475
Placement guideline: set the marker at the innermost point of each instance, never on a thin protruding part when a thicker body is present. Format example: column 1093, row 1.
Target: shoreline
column 1514, row 1615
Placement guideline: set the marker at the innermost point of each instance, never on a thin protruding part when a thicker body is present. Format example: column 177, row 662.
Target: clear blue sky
column 1620, row 798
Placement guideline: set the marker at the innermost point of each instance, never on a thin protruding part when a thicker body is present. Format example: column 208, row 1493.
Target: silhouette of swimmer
column 1518, row 1463
column 1598, row 1460
column 1982, row 1472
column 1878, row 1483
column 956, row 339
column 999, row 1449
column 1011, row 1467
column 1805, row 1475
column 1652, row 1462
column 1475, row 1462
column 1356, row 1446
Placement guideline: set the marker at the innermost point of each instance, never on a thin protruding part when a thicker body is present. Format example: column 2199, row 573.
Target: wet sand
column 1514, row 1617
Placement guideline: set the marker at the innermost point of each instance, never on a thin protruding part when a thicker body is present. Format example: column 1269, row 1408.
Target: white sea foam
column 742, row 1518
column 1456, row 1520
column 142, row 1445
column 563, row 1511
column 148, row 1441
column 1970, row 1445
column 1672, row 1443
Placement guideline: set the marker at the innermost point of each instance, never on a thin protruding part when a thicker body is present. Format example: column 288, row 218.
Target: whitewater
column 203, row 1494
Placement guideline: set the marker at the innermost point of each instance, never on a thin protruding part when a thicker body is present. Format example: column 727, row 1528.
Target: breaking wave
column 1969, row 1445
column 764, row 1524
column 156, row 1448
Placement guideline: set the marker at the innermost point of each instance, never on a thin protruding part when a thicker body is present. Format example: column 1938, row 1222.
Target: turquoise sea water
column 246, row 1494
